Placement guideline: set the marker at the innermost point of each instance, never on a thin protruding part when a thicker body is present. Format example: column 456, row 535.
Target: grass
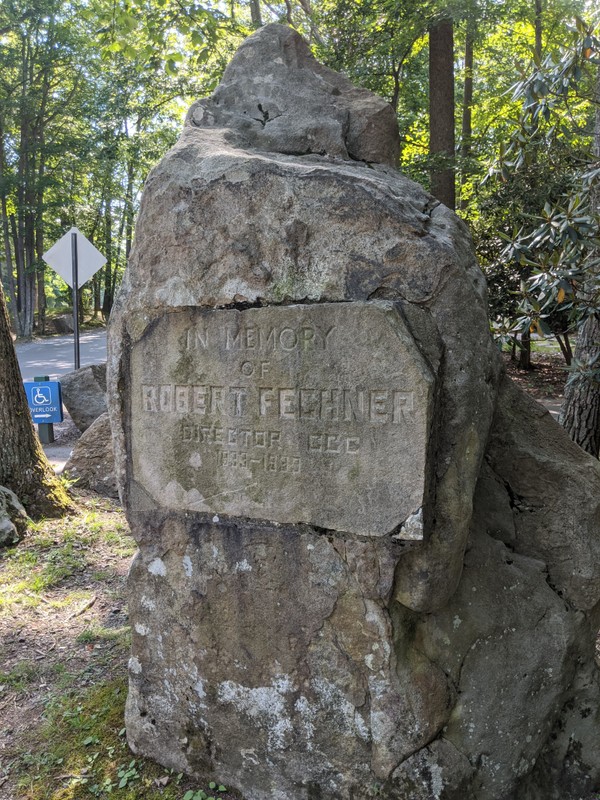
column 43, row 562
column 80, row 752
column 19, row 676
column 98, row 633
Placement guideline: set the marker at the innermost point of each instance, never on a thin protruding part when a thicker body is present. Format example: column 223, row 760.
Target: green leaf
column 128, row 22
column 188, row 795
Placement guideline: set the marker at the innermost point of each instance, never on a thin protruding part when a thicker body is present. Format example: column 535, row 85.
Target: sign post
column 75, row 285
column 76, row 260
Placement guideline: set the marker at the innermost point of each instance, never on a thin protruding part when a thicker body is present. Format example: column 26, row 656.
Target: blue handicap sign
column 45, row 401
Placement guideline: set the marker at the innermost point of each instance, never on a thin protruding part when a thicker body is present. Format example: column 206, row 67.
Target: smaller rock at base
column 92, row 461
column 13, row 518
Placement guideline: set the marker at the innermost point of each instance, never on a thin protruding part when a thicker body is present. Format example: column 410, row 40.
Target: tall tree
column 580, row 413
column 441, row 110
column 23, row 466
column 37, row 84
column 467, row 107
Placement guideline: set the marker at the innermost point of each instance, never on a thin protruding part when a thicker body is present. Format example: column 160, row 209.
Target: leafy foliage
column 555, row 248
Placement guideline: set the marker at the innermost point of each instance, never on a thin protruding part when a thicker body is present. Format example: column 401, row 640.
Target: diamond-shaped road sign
column 60, row 258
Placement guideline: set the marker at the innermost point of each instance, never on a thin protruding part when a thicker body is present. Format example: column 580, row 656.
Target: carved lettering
column 234, row 437
column 376, row 406
column 196, row 339
column 317, row 413
column 333, row 443
column 150, row 398
column 285, row 339
column 273, row 462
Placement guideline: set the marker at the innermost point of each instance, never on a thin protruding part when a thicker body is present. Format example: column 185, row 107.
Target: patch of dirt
column 546, row 381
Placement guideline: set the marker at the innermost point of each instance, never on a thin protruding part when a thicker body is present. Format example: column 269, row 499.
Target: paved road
column 53, row 355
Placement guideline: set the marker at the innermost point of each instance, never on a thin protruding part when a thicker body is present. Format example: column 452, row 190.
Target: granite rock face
column 275, row 96
column 224, row 225
column 348, row 583
column 84, row 394
column 92, row 461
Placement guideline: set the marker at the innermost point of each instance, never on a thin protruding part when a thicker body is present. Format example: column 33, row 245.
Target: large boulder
column 63, row 323
column 346, row 585
column 224, row 223
column 84, row 394
column 92, row 462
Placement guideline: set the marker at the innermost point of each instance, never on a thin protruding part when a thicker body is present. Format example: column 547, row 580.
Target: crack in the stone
column 266, row 117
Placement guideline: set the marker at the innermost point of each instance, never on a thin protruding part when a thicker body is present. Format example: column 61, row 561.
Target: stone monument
column 368, row 566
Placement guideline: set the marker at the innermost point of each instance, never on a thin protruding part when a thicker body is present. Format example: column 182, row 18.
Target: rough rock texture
column 84, row 394
column 13, row 517
column 92, row 461
column 274, row 96
column 549, row 486
column 297, row 661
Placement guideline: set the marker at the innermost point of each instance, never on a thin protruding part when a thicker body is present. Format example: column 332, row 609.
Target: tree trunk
column 129, row 210
column 538, row 28
column 441, row 110
column 564, row 343
column 23, row 465
column 467, row 122
column 10, row 278
column 580, row 413
column 39, row 223
column 525, row 351
column 255, row 14
column 97, row 292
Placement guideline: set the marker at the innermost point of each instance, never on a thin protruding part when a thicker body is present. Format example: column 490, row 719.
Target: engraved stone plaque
column 315, row 414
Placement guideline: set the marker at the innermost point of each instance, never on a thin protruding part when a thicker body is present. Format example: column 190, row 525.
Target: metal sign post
column 75, row 285
column 76, row 260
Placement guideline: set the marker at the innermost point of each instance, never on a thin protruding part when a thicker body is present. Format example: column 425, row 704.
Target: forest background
column 496, row 104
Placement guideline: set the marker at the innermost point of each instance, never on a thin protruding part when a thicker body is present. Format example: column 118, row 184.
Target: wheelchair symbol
column 41, row 396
